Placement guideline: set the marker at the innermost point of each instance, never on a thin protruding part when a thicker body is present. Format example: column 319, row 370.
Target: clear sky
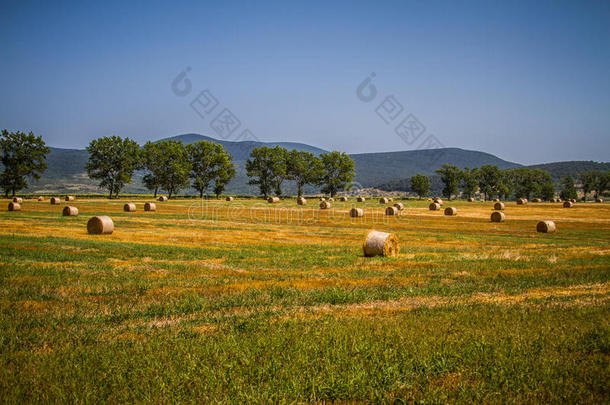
column 527, row 81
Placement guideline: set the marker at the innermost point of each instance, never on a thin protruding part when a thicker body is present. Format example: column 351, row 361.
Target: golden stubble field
column 192, row 269
column 429, row 239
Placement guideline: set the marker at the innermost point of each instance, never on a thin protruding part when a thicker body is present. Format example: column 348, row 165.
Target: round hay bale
column 229, row 199
column 537, row 200
column 496, row 200
column 356, row 212
column 324, row 205
column 438, row 200
column 361, row 199
column 599, row 200
column 499, row 206
column 18, row 200
column 470, row 199
column 434, row 206
column 497, row 216
column 13, row 206
column 380, row 244
column 331, row 199
column 383, row 200
column 399, row 206
column 69, row 198
column 55, row 201
column 70, row 211
column 150, row 206
column 573, row 200
column 301, row 201
column 322, row 199
column 343, row 198
column 129, row 207
column 272, row 200
column 391, row 211
column 450, row 211
column 568, row 204
column 101, row 225
column 546, row 227
column 41, row 198
column 521, row 201
column 162, row 198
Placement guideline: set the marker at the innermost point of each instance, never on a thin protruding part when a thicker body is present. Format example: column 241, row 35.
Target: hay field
column 248, row 301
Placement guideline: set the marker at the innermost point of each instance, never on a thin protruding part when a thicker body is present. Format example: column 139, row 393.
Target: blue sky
column 527, row 81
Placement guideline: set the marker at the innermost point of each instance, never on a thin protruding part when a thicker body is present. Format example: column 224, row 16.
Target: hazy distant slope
column 373, row 169
column 241, row 150
column 560, row 169
column 556, row 169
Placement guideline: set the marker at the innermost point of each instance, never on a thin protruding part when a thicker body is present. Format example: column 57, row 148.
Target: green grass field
column 246, row 301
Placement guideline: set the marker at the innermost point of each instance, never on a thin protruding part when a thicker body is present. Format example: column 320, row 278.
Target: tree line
column 169, row 165
column 492, row 182
column 269, row 167
column 172, row 166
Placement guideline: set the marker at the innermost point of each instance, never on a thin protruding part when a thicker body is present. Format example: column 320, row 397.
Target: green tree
column 568, row 190
column 594, row 180
column 420, row 184
column 260, row 168
column 210, row 162
column 548, row 190
column 279, row 167
column 113, row 160
column 491, row 180
column 174, row 168
column 338, row 171
column 589, row 182
column 22, row 156
column 506, row 185
column 450, row 176
column 603, row 184
column 529, row 182
column 470, row 181
column 224, row 173
column 304, row 168
column 152, row 156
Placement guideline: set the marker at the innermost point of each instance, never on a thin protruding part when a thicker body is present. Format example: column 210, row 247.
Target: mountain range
column 66, row 167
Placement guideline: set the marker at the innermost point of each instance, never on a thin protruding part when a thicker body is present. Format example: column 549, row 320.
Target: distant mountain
column 373, row 169
column 561, row 169
column 557, row 170
column 241, row 150
column 66, row 167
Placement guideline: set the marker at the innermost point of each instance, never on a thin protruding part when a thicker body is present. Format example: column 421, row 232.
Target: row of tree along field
column 492, row 182
column 171, row 166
